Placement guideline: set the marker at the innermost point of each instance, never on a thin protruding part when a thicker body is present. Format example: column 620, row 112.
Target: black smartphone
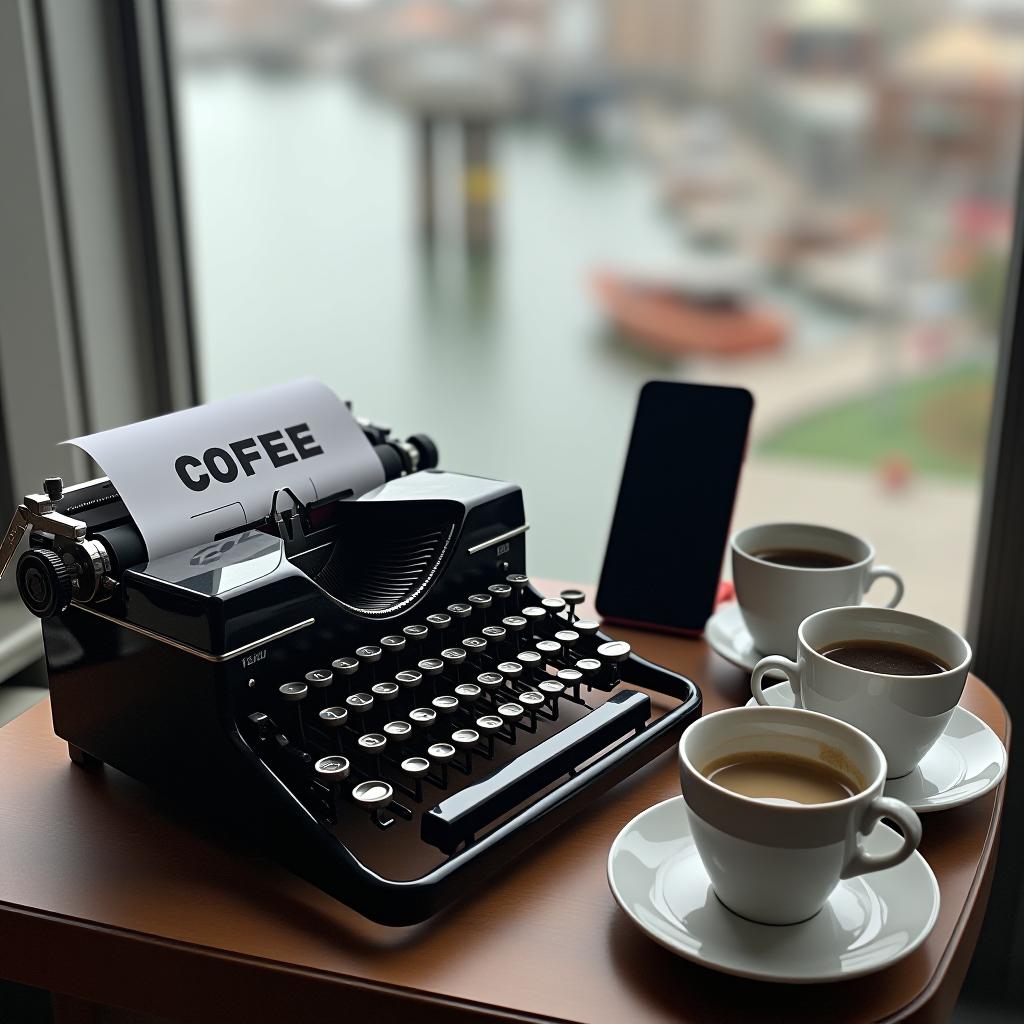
column 664, row 556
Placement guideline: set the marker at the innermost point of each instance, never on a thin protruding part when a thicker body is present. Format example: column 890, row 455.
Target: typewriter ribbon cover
column 191, row 475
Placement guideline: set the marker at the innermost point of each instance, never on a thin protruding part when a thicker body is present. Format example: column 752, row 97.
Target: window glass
column 493, row 220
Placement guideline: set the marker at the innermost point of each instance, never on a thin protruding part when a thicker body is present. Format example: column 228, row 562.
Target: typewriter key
column 332, row 769
column 442, row 755
column 370, row 654
column 482, row 603
column 500, row 591
column 431, row 666
column 374, row 795
column 409, row 678
column 468, row 693
column 446, row 704
column 586, row 628
column 590, row 668
column 343, row 667
column 532, row 701
column 550, row 650
column 439, row 622
column 533, row 665
column 572, row 598
column 460, row 610
column 511, row 712
column 385, row 691
column 490, row 681
column 570, row 678
column 454, row 657
column 333, row 719
column 552, row 605
column 371, row 746
column 423, row 718
column 393, row 643
column 614, row 651
column 415, row 768
column 415, row 632
column 568, row 638
column 511, row 670
column 533, row 616
column 359, row 703
column 514, row 623
column 465, row 740
column 474, row 644
column 552, row 690
column 489, row 726
column 320, row 678
column 518, row 582
column 494, row 634
column 397, row 731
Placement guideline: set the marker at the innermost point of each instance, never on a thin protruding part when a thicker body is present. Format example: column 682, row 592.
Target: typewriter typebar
column 370, row 688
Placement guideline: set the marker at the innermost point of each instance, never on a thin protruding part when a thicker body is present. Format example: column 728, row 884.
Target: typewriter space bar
column 462, row 815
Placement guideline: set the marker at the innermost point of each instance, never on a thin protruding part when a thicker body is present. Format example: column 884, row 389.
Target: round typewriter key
column 431, row 666
column 568, row 638
column 370, row 653
column 514, row 623
column 550, row 649
column 333, row 718
column 468, row 693
column 415, row 768
column 423, row 718
column 385, row 691
column 533, row 614
column 373, row 794
column 345, row 666
column 481, row 601
column 440, row 753
column 490, row 681
column 552, row 605
column 465, row 738
column 397, row 732
column 332, row 768
column 488, row 725
column 293, row 691
column 588, row 666
column 373, row 742
column 586, row 627
column 532, row 662
column 393, row 643
column 572, row 598
column 511, row 712
column 476, row 644
column 495, row 634
column 453, row 655
column 460, row 610
column 551, row 688
column 518, row 580
column 409, row 678
column 415, row 632
column 500, row 591
column 614, row 651
column 570, row 678
column 511, row 670
column 531, row 699
column 439, row 621
column 446, row 704
column 320, row 677
column 359, row 703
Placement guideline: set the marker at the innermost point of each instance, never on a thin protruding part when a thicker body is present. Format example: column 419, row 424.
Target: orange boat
column 671, row 321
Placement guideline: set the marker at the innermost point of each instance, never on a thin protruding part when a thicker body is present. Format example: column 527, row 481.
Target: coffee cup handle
column 790, row 669
column 910, row 824
column 880, row 572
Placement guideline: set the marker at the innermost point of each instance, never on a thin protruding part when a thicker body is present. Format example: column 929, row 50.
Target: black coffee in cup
column 802, row 558
column 889, row 659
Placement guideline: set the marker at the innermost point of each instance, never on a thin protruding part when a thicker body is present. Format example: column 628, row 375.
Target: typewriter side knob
column 44, row 582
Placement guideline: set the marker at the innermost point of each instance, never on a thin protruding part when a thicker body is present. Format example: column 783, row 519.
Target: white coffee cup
column 774, row 599
column 904, row 715
column 774, row 862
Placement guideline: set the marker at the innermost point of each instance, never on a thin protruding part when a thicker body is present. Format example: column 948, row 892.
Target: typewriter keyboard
column 440, row 731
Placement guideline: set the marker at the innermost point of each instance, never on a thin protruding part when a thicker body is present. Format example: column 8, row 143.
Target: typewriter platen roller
column 370, row 687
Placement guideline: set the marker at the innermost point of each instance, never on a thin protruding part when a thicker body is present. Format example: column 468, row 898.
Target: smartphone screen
column 671, row 522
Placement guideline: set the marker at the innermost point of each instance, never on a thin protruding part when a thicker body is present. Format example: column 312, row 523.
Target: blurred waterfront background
column 493, row 220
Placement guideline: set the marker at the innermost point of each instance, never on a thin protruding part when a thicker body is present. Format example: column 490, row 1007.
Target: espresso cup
column 776, row 862
column 774, row 598
column 904, row 714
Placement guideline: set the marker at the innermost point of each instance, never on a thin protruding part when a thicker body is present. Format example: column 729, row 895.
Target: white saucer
column 966, row 762
column 868, row 923
column 727, row 635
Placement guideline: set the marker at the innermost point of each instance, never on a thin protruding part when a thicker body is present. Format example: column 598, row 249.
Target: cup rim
column 895, row 613
column 866, row 560
column 749, row 801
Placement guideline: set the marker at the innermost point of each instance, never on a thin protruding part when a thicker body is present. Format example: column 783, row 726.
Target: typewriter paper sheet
column 191, row 475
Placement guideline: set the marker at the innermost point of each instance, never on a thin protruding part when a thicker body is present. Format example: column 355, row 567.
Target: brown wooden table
column 109, row 897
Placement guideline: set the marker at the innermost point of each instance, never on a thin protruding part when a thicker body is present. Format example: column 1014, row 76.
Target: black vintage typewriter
column 372, row 687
